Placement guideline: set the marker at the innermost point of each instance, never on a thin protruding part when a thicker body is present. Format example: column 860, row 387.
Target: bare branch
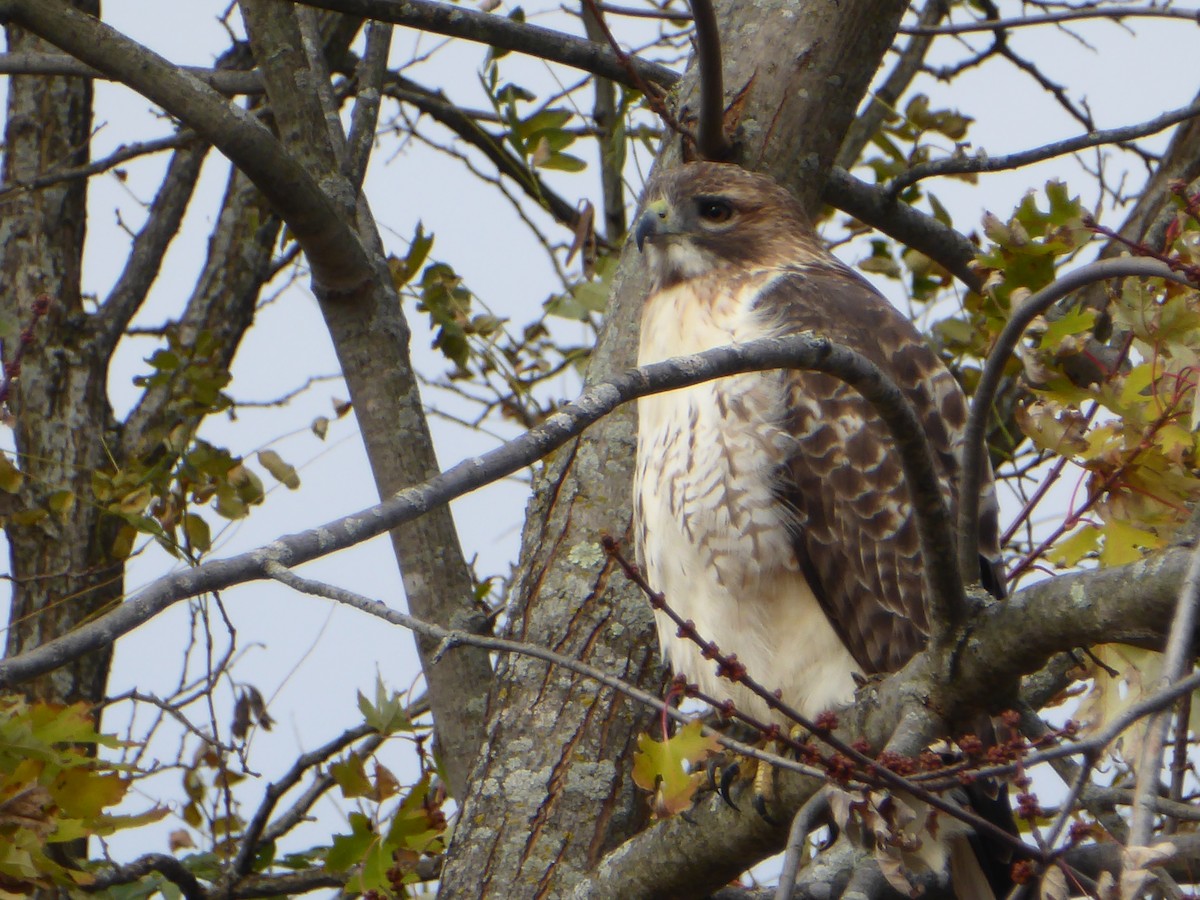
column 372, row 72
column 122, row 154
column 504, row 34
column 1115, row 13
column 711, row 142
column 276, row 789
column 448, row 639
column 910, row 226
column 225, row 81
column 802, row 823
column 957, row 165
column 1177, row 659
column 150, row 245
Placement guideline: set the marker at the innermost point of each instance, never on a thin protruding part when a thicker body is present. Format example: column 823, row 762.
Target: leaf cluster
column 53, row 790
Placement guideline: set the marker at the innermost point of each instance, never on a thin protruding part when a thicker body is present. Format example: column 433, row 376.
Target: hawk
column 770, row 508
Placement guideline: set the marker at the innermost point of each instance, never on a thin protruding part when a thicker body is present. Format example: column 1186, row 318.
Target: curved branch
column 711, row 142
column 958, row 165
column 504, row 34
column 165, row 865
column 801, row 352
column 989, row 382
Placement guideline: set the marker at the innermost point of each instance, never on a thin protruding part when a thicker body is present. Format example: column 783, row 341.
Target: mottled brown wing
column 854, row 533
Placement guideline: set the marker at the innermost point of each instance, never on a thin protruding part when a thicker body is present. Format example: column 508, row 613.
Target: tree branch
column 1115, row 13
column 335, row 253
column 504, row 34
column 922, row 232
column 884, row 98
column 981, row 162
column 460, row 122
column 224, row 81
column 800, row 351
column 167, row 866
column 150, row 245
column 1176, row 660
column 371, row 74
column 711, row 142
column 448, row 639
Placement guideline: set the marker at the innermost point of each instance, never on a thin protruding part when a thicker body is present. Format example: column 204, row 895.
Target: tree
column 538, row 753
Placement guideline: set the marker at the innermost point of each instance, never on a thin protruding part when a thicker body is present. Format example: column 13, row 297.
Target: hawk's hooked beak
column 651, row 223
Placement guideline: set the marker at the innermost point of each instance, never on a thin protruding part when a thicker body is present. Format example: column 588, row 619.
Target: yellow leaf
column 1124, row 543
column 1070, row 551
column 10, row 475
column 667, row 767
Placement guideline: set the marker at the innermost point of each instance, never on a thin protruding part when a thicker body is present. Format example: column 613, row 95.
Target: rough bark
column 552, row 793
column 371, row 339
column 62, row 565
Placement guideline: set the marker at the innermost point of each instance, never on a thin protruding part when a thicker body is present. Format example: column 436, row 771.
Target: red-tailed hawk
column 771, row 508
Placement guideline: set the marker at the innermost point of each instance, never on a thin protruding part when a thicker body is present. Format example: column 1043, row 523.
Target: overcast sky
column 312, row 658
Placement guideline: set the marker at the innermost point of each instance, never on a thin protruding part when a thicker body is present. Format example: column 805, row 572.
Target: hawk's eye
column 715, row 210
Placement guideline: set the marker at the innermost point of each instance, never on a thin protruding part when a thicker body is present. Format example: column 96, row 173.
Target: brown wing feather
column 854, row 534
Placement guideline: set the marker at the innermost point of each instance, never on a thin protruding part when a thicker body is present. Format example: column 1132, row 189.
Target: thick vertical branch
column 611, row 141
column 711, row 141
column 63, row 567
column 371, row 339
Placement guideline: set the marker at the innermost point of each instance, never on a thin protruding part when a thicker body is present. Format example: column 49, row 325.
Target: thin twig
column 276, row 789
column 451, row 638
column 1116, row 13
column 981, row 162
column 1176, row 659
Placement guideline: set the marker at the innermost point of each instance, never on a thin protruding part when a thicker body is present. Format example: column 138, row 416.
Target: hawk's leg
column 764, row 784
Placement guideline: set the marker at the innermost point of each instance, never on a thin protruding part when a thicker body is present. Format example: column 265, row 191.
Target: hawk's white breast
column 712, row 535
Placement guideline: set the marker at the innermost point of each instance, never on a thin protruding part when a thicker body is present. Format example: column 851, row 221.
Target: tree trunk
column 62, row 563
column 552, row 793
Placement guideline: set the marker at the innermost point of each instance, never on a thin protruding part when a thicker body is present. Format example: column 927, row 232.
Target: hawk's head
column 705, row 216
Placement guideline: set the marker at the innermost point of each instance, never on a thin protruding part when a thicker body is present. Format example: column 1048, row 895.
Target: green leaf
column 199, row 535
column 1077, row 321
column 351, row 776
column 564, row 162
column 282, row 471
column 404, row 270
column 1068, row 553
column 387, row 715
column 350, row 849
